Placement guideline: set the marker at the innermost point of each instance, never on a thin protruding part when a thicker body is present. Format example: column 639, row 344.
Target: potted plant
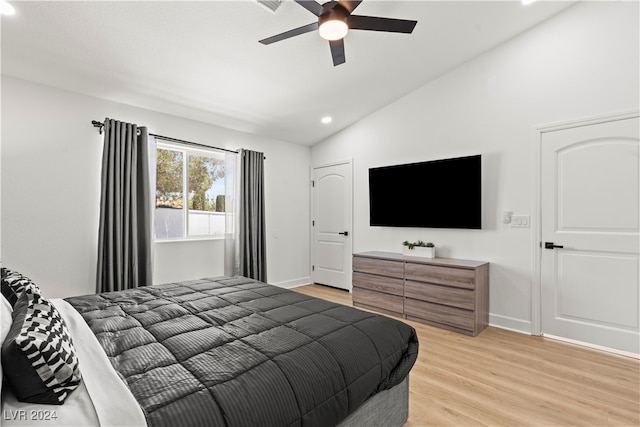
column 419, row 248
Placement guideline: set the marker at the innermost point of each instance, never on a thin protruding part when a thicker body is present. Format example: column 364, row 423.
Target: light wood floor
column 503, row 378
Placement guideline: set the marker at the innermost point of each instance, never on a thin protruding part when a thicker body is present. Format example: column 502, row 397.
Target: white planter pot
column 419, row 251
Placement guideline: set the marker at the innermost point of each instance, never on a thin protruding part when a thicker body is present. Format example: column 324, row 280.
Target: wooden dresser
column 444, row 292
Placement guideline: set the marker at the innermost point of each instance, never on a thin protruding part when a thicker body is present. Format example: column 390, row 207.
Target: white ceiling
column 202, row 59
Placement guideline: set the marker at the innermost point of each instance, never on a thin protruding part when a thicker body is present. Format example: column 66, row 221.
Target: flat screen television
column 442, row 193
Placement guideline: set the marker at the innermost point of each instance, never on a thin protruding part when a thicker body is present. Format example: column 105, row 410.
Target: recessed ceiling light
column 527, row 2
column 6, row 8
column 326, row 120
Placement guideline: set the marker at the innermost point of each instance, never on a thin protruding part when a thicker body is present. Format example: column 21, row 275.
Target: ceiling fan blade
column 374, row 23
column 337, row 51
column 311, row 5
column 291, row 33
column 350, row 5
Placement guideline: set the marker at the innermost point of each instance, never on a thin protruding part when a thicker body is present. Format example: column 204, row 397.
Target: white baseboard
column 294, row 283
column 524, row 327
column 510, row 323
column 594, row 346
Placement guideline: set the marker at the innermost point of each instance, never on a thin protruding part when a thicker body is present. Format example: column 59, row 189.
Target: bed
column 227, row 351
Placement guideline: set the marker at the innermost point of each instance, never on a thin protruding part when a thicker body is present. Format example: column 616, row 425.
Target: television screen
column 435, row 194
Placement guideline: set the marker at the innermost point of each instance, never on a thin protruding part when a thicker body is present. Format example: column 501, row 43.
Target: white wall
column 50, row 191
column 582, row 63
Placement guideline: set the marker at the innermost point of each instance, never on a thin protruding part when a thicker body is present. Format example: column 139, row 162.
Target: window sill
column 189, row 239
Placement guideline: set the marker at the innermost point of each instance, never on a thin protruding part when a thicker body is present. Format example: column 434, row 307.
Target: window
column 190, row 193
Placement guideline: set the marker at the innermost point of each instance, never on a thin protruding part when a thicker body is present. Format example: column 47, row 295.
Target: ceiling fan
column 335, row 20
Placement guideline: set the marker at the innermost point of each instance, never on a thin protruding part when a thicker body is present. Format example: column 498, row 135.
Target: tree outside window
column 190, row 193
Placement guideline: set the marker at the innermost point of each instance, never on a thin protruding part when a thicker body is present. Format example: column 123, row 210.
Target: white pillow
column 5, row 319
column 5, row 323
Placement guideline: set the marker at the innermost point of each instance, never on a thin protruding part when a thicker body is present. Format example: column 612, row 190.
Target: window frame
column 186, row 152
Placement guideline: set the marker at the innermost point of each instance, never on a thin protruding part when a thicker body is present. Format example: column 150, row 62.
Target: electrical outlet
column 520, row 221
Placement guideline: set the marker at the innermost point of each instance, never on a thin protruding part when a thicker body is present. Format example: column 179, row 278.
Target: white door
column 332, row 204
column 590, row 198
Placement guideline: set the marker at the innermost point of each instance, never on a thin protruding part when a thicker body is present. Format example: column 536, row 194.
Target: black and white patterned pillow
column 38, row 356
column 13, row 284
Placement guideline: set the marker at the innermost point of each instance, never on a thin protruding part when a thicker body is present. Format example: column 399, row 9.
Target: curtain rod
column 100, row 125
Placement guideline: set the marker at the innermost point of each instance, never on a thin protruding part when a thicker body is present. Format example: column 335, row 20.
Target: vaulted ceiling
column 202, row 60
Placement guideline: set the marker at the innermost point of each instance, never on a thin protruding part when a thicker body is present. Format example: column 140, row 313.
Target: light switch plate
column 520, row 221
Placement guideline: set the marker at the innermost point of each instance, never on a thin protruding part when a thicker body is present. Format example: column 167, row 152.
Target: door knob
column 344, row 233
column 550, row 245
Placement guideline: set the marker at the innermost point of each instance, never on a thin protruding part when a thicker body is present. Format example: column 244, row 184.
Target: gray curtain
column 252, row 255
column 124, row 236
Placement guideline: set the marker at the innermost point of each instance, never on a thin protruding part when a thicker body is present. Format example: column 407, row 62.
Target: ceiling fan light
column 333, row 29
column 332, row 24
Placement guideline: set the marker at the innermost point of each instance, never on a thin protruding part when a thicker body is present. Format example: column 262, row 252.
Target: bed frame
column 386, row 408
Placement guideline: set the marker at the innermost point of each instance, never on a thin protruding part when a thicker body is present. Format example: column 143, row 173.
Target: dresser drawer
column 456, row 297
column 382, row 267
column 387, row 302
column 373, row 282
column 458, row 277
column 442, row 314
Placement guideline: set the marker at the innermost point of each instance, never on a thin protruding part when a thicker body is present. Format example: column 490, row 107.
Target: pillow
column 13, row 284
column 5, row 319
column 5, row 323
column 38, row 357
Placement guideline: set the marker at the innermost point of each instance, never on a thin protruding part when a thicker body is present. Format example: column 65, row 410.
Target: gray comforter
column 237, row 352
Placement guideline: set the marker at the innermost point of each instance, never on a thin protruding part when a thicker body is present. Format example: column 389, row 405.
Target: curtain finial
column 97, row 124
